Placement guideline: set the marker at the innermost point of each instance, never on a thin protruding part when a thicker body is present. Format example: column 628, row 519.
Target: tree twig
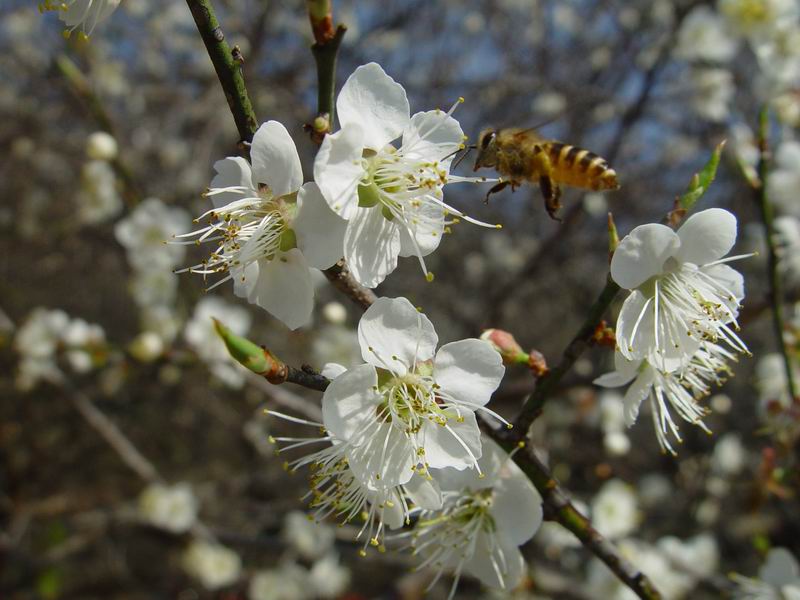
column 325, row 54
column 548, row 383
column 228, row 68
column 775, row 294
column 80, row 85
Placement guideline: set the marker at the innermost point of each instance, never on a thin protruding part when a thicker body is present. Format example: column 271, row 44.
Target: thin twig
column 557, row 507
column 549, row 382
column 775, row 284
column 227, row 66
column 325, row 56
column 80, row 85
column 341, row 278
column 113, row 436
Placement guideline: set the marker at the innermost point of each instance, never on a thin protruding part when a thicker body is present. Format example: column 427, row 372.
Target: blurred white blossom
column 101, row 146
column 615, row 512
column 98, row 199
column 169, row 507
column 311, row 539
column 212, row 564
column 778, row 579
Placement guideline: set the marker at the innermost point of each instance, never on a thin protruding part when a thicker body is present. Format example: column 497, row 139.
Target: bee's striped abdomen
column 580, row 168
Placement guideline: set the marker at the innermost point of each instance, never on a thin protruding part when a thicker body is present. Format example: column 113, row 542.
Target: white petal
column 426, row 224
column 371, row 246
column 468, row 370
column 338, row 169
column 424, row 492
column 392, row 512
column 386, row 460
column 638, row 391
column 625, row 371
column 706, row 236
column 375, row 101
column 349, row 401
column 320, row 233
column 275, row 160
column 245, row 281
column 641, row 254
column 231, row 171
column 284, row 288
column 332, row 370
column 626, row 322
column 510, row 566
column 395, row 335
column 780, row 568
column 445, row 446
column 517, row 506
column 731, row 279
column 431, row 136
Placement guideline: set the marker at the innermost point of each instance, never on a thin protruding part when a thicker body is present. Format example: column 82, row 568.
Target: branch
column 557, row 507
column 80, row 85
column 548, row 383
column 325, row 53
column 227, row 66
column 775, row 294
column 339, row 275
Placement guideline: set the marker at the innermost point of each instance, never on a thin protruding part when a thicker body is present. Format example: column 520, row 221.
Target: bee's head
column 487, row 149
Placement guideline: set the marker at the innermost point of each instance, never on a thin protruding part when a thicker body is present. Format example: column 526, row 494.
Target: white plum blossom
column 98, row 199
column 758, row 19
column 704, row 36
column 778, row 579
column 615, row 513
column 682, row 293
column 212, row 564
column 169, row 507
column 712, row 91
column 308, row 537
column 101, row 146
column 145, row 231
column 390, row 195
column 287, row 581
column 698, row 556
column 729, row 456
column 784, row 180
column 678, row 390
column 85, row 14
column 328, row 577
column 410, row 408
column 482, row 522
column 269, row 228
column 203, row 339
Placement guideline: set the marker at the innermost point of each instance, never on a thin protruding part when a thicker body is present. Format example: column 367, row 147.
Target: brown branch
column 341, row 278
column 228, row 67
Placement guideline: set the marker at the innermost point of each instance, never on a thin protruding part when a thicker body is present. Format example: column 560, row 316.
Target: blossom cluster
column 676, row 332
column 377, row 195
column 401, row 443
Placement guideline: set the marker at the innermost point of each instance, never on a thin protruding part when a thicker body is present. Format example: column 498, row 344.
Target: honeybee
column 521, row 155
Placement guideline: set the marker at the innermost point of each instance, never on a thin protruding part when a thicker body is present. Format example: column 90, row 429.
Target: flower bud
column 101, row 146
column 255, row 358
column 506, row 345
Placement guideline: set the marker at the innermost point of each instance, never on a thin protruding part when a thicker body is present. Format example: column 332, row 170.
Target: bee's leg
column 498, row 187
column 552, row 195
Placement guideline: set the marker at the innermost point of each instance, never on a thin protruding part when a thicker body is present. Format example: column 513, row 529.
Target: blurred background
column 124, row 428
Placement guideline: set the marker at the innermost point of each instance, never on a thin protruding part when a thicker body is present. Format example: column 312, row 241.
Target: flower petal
column 637, row 392
column 446, row 446
column 625, row 371
column 320, row 233
column 425, row 222
column 706, row 236
column 468, row 370
column 517, row 506
column 731, row 280
column 496, row 554
column 233, row 171
column 332, row 370
column 338, row 169
column 780, row 568
column 349, row 402
column 641, row 254
column 386, row 460
column 371, row 246
column 284, row 288
column 375, row 101
column 394, row 335
column 275, row 160
column 432, row 136
column 424, row 492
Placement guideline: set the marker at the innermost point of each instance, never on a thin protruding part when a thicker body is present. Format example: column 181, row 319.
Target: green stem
column 228, row 68
column 549, row 382
column 325, row 57
column 767, row 215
